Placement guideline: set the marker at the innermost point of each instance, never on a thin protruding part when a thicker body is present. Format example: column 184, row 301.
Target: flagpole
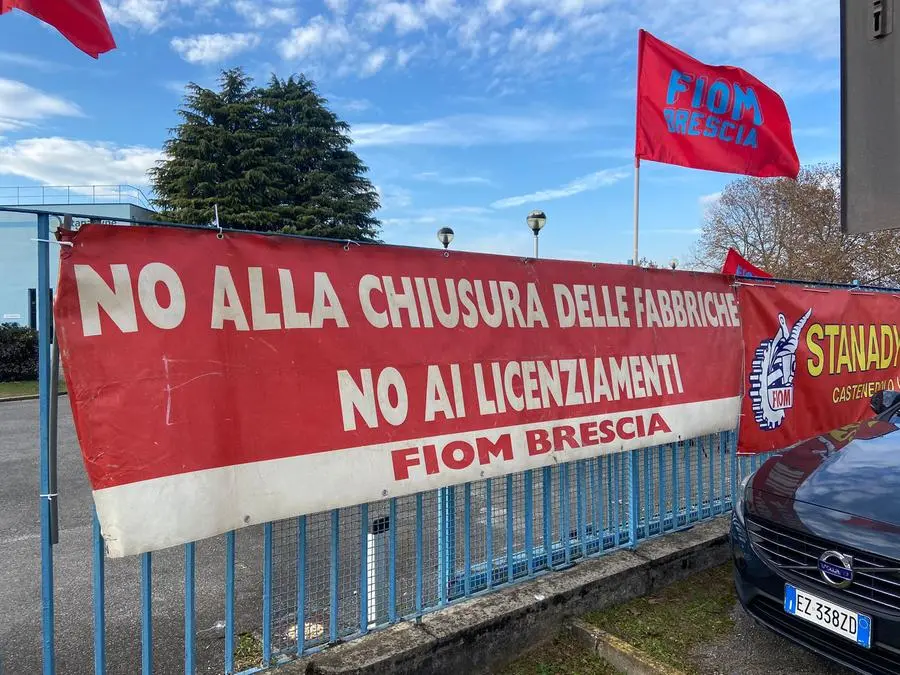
column 637, row 146
column 637, row 204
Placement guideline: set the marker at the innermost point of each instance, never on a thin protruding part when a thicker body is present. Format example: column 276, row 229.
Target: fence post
column 230, row 551
column 633, row 498
column 446, row 540
column 53, row 431
column 146, row 613
column 376, row 563
column 732, row 449
column 190, row 613
column 99, row 597
column 44, row 367
column 367, row 610
column 267, row 594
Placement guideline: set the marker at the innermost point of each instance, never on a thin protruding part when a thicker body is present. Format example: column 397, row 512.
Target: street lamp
column 536, row 220
column 445, row 236
column 674, row 263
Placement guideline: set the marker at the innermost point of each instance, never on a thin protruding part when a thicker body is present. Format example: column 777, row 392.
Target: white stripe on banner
column 172, row 510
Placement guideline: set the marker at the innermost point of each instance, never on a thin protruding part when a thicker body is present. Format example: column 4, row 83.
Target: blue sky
column 469, row 114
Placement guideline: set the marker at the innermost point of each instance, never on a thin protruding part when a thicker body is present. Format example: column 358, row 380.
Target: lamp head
column 445, row 236
column 536, row 220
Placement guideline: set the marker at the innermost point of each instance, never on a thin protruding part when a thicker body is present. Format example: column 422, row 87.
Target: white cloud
column 337, row 6
column 742, row 28
column 319, row 36
column 410, row 221
column 435, row 177
column 374, row 62
column 405, row 17
column 260, row 15
column 145, row 14
column 538, row 40
column 710, row 199
column 404, row 56
column 473, row 129
column 214, row 47
column 175, row 86
column 592, row 181
column 64, row 161
column 22, row 105
column 526, row 41
column 393, row 196
column 349, row 104
column 441, row 9
column 27, row 61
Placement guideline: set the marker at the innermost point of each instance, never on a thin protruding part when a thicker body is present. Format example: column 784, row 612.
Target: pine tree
column 272, row 158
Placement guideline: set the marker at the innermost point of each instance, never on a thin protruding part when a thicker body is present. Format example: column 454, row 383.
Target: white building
column 18, row 253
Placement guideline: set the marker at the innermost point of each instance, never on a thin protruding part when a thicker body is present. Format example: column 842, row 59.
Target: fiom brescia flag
column 737, row 265
column 718, row 118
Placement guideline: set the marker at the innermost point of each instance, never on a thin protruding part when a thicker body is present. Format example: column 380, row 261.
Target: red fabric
column 217, row 383
column 718, row 118
column 737, row 265
column 283, row 380
column 813, row 360
column 82, row 22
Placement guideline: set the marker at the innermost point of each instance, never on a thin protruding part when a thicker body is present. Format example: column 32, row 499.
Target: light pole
column 445, row 236
column 536, row 220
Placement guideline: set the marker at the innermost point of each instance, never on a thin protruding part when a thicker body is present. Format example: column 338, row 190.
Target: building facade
column 18, row 250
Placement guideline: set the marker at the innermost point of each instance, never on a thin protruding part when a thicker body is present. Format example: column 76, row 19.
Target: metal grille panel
column 797, row 554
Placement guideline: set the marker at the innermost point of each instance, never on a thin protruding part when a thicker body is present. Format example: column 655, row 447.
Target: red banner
column 813, row 360
column 221, row 383
column 718, row 118
column 737, row 265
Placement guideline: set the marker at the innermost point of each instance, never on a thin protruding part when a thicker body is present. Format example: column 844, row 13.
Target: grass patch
column 670, row 625
column 248, row 652
column 26, row 388
column 563, row 656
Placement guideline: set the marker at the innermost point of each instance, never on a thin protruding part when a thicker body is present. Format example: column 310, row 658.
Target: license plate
column 844, row 622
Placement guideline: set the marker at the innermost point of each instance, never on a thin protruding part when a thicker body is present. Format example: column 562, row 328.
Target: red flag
column 738, row 266
column 81, row 21
column 718, row 118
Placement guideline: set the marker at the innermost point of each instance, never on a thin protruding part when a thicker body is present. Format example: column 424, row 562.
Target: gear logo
column 772, row 374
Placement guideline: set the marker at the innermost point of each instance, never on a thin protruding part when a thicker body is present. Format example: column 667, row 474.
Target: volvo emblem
column 836, row 569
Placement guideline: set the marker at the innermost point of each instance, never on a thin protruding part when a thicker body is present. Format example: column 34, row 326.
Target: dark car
column 815, row 537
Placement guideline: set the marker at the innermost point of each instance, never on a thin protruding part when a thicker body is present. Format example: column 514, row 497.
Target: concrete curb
column 617, row 653
column 489, row 631
column 29, row 397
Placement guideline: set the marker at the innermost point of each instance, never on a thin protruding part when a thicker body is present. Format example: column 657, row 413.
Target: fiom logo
column 772, row 374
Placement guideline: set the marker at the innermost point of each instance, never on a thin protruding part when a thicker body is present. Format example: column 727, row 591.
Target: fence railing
column 73, row 194
column 335, row 576
column 257, row 597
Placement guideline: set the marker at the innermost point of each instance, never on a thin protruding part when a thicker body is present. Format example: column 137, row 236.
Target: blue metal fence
column 333, row 576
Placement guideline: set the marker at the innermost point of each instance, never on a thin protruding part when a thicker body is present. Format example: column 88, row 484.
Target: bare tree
column 792, row 229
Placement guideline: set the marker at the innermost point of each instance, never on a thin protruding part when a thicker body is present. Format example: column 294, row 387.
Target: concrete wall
column 18, row 254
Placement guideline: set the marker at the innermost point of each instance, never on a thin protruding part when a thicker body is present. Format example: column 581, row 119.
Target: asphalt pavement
column 20, row 571
column 753, row 650
column 750, row 649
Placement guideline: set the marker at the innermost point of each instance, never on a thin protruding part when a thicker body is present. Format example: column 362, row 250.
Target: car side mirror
column 884, row 400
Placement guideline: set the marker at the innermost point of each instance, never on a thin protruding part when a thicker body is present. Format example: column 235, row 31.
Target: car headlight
column 740, row 499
